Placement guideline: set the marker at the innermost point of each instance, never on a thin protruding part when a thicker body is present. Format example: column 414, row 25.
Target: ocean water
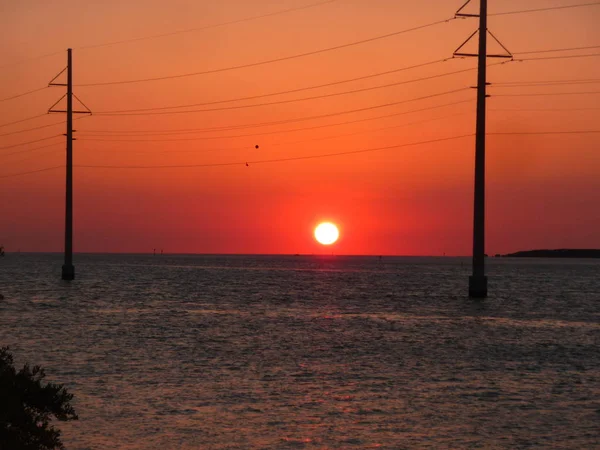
column 312, row 352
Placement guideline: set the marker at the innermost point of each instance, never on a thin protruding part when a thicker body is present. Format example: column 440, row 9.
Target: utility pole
column 68, row 270
column 478, row 286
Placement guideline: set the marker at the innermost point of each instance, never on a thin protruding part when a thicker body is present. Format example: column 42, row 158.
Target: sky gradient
column 543, row 190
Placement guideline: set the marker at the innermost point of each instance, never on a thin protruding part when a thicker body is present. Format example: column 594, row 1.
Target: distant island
column 561, row 253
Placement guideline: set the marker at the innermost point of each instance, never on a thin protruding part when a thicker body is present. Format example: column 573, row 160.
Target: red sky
column 543, row 190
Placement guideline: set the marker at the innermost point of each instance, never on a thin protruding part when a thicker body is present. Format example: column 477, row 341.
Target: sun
column 326, row 233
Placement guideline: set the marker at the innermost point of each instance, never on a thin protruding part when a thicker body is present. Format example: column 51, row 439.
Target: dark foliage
column 560, row 253
column 27, row 406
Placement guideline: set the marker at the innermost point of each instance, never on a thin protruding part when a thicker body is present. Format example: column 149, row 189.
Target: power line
column 380, row 129
column 32, row 129
column 23, row 94
column 520, row 85
column 558, row 57
column 29, row 150
column 290, row 91
column 27, row 60
column 546, row 94
column 544, row 109
column 30, row 142
column 207, row 130
column 544, row 82
column 545, row 132
column 32, row 149
column 298, row 158
column 207, row 27
column 250, row 19
column 279, row 102
column 557, row 50
column 22, row 120
column 247, row 19
column 40, row 127
column 267, row 161
column 524, row 11
column 310, row 140
column 31, row 171
column 302, row 119
column 270, row 61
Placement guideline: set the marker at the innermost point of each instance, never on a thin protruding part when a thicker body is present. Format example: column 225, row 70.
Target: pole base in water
column 478, row 286
column 68, row 272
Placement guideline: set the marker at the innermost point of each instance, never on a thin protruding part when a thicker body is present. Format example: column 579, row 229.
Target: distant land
column 561, row 253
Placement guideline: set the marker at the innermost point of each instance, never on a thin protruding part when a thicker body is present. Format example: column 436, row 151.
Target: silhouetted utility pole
column 68, row 270
column 478, row 280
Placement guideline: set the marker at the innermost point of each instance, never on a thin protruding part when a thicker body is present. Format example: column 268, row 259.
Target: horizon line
column 376, row 255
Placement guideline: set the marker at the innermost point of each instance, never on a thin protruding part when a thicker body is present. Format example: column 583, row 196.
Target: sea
column 311, row 352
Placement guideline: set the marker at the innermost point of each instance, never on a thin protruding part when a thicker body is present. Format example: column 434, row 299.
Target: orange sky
column 543, row 190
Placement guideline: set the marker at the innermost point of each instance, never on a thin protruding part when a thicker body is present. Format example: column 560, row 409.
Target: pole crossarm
column 74, row 112
column 56, row 103
column 500, row 43
column 463, row 55
column 461, row 14
column 51, row 110
column 51, row 83
column 82, row 104
column 458, row 53
column 458, row 13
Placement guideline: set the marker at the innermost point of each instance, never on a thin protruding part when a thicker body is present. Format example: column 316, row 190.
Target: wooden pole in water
column 68, row 270
column 478, row 281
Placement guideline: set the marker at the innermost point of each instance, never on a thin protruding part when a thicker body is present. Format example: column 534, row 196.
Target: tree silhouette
column 27, row 407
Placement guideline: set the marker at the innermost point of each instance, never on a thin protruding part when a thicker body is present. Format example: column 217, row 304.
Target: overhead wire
column 23, row 120
column 33, row 129
column 551, row 8
column 123, row 112
column 545, row 132
column 269, row 61
column 232, row 22
column 180, row 166
column 288, row 159
column 544, row 82
column 568, row 49
column 34, row 58
column 30, row 172
column 29, row 150
column 542, row 58
column 30, row 142
column 207, row 27
column 546, row 94
column 521, row 85
column 23, row 94
column 266, row 161
column 544, row 109
column 289, row 91
column 313, row 117
column 147, row 111
column 204, row 130
column 278, row 144
column 307, row 54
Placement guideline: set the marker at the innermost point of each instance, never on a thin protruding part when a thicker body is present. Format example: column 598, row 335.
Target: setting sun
column 326, row 233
